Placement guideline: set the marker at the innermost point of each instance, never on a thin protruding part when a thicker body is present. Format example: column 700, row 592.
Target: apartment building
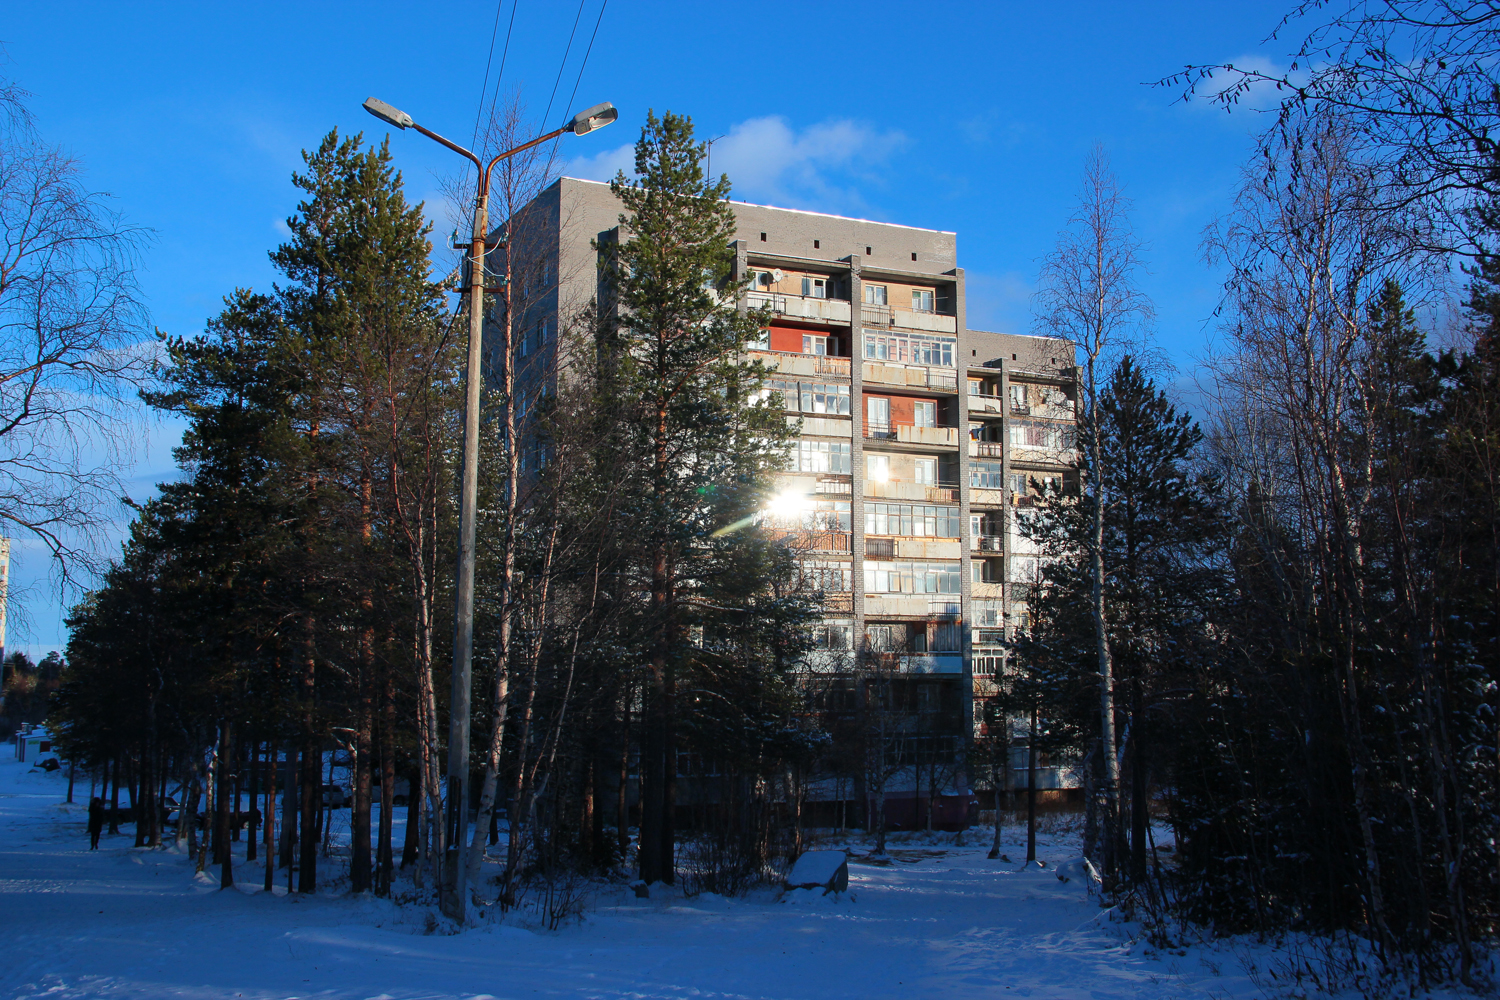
column 920, row 437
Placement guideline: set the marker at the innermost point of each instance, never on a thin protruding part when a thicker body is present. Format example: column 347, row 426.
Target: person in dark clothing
column 96, row 822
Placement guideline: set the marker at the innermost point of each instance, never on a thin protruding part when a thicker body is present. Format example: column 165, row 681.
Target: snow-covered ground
column 938, row 921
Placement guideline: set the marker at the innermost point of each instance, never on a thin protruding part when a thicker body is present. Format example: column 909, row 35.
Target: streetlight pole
column 452, row 891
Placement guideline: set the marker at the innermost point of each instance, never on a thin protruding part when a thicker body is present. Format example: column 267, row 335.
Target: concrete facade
column 920, row 437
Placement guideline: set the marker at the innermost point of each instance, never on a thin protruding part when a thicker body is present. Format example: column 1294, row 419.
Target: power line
column 547, row 116
column 504, row 54
column 485, row 85
column 590, row 49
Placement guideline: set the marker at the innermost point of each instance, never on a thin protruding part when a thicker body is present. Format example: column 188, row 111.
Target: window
column 924, row 413
column 912, row 348
column 986, row 570
column 814, row 345
column 891, row 577
column 759, row 280
column 875, row 295
column 987, row 475
column 882, row 638
column 928, row 695
column 912, row 520
column 947, row 637
column 833, row 577
column 762, row 237
column 817, row 245
column 868, row 251
column 532, row 340
column 1025, row 569
column 821, row 456
column 976, row 387
column 816, row 515
column 1018, row 401
column 878, row 414
column 986, row 613
column 780, row 392
column 926, row 471
column 878, row 468
column 1040, row 434
column 921, row 300
column 1018, row 483
column 913, row 256
column 833, row 636
column 820, row 398
column 816, row 288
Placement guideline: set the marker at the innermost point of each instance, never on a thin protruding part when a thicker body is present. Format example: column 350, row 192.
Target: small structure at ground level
column 826, row 870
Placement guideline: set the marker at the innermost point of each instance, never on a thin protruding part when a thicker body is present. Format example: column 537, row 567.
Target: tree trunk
column 384, row 854
column 359, row 817
column 311, row 777
column 413, row 817
column 227, row 784
column 252, row 822
column 622, row 801
column 1139, row 790
column 290, row 804
column 114, row 797
column 653, row 779
column 210, row 807
column 270, row 828
column 1031, row 788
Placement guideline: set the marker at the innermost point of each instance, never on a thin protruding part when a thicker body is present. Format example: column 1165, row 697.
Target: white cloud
column 603, row 166
column 768, row 160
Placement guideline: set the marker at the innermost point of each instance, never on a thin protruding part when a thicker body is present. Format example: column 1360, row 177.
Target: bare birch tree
column 1089, row 295
column 1308, row 245
column 72, row 328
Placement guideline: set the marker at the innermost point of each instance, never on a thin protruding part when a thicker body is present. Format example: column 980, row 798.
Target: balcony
column 906, row 319
column 986, row 449
column 988, row 543
column 818, row 541
column 922, row 492
column 918, row 376
column 986, row 497
column 802, row 307
column 986, row 404
column 989, row 591
column 817, row 365
column 908, row 547
column 941, row 437
column 923, row 606
column 932, row 663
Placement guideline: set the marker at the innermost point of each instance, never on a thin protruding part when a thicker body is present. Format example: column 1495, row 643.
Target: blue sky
column 972, row 117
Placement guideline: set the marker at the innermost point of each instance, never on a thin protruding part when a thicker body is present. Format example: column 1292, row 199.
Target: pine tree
column 1162, row 523
column 701, row 444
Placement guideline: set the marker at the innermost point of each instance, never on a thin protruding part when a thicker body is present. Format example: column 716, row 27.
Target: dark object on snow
column 642, row 890
column 826, row 870
column 96, row 821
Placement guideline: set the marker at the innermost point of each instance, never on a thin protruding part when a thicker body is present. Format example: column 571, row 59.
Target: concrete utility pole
column 452, row 891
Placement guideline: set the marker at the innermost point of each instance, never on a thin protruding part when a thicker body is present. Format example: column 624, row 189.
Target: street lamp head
column 585, row 122
column 388, row 114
